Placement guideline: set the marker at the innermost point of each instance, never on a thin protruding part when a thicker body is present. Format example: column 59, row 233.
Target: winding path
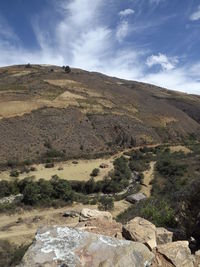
column 148, row 177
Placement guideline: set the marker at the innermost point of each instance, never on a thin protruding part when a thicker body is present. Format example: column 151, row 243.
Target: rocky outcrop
column 98, row 242
column 63, row 246
column 178, row 253
column 140, row 230
column 163, row 236
column 95, row 214
column 100, row 226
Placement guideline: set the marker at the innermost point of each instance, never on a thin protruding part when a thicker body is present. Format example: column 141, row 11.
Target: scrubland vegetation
column 174, row 200
column 10, row 254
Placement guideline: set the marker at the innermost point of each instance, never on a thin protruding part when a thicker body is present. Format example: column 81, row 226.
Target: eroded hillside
column 45, row 109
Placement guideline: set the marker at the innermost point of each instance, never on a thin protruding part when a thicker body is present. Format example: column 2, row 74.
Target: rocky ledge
column 92, row 243
column 63, row 246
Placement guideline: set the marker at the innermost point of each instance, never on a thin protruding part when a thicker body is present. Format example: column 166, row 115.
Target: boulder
column 63, row 246
column 136, row 198
column 71, row 213
column 100, row 226
column 87, row 214
column 140, row 230
column 197, row 258
column 163, row 236
column 178, row 253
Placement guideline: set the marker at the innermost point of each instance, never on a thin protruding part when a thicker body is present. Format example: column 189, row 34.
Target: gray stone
column 136, row 197
column 71, row 213
column 63, row 246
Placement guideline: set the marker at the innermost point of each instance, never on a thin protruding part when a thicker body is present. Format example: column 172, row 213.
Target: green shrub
column 31, row 194
column 157, row 211
column 106, row 203
column 14, row 173
column 95, row 172
column 53, row 153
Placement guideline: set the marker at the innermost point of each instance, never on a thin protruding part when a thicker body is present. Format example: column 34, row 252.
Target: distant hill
column 47, row 112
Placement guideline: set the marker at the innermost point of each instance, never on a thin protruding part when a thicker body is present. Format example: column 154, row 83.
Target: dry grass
column 119, row 207
column 17, row 108
column 80, row 171
column 21, row 73
column 183, row 149
column 62, row 83
column 20, row 228
column 69, row 95
column 106, row 103
column 148, row 177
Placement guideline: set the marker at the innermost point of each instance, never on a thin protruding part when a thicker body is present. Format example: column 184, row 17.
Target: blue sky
column 154, row 41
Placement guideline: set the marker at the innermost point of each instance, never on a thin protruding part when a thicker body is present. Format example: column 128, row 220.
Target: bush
column 12, row 163
column 14, row 173
column 157, row 211
column 62, row 189
column 168, row 168
column 49, row 165
column 67, row 69
column 95, row 172
column 31, row 194
column 28, row 66
column 106, row 203
column 8, row 188
column 53, row 153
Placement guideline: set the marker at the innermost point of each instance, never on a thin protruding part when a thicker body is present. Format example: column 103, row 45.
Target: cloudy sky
column 154, row 41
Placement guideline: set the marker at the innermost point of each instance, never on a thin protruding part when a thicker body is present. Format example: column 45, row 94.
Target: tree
column 106, row 203
column 62, row 189
column 90, row 186
column 67, row 69
column 31, row 194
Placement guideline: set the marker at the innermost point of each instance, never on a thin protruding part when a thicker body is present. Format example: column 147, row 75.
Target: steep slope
column 83, row 113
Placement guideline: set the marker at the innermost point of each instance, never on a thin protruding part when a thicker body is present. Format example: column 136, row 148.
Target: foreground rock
column 95, row 214
column 163, row 236
column 140, row 230
column 63, row 246
column 103, row 227
column 178, row 253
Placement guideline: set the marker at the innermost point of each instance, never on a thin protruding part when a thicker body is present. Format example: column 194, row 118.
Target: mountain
column 47, row 111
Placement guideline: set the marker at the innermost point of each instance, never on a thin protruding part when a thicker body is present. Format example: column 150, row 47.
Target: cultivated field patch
column 17, row 108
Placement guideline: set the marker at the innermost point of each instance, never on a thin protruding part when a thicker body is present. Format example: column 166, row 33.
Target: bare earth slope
column 84, row 113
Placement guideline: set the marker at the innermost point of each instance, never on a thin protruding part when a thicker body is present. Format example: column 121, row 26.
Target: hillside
column 46, row 112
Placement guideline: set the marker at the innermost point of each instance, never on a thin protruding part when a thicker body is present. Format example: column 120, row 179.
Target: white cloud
column 166, row 63
column 122, row 30
column 178, row 79
column 156, row 1
column 195, row 15
column 126, row 12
